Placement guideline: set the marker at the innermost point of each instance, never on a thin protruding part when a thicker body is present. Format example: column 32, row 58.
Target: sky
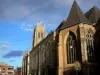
column 19, row 17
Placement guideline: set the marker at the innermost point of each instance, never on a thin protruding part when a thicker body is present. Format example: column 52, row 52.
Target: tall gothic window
column 43, row 51
column 71, row 48
column 38, row 34
column 90, row 46
column 41, row 35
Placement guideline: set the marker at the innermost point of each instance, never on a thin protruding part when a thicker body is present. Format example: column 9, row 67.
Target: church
column 70, row 49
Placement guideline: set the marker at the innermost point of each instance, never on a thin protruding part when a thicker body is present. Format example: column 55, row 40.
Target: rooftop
column 3, row 64
column 75, row 16
column 93, row 14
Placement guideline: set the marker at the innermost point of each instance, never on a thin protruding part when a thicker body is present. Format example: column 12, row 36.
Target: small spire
column 94, row 6
column 44, row 25
column 28, row 49
column 38, row 23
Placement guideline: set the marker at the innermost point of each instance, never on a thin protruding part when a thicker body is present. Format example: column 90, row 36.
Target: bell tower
column 39, row 33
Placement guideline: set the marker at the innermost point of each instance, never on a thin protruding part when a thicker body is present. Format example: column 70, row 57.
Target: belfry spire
column 39, row 33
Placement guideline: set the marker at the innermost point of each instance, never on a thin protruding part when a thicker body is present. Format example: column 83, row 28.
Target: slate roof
column 98, row 23
column 75, row 16
column 93, row 14
column 60, row 26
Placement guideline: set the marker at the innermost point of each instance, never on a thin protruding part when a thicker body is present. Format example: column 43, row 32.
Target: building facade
column 42, row 57
column 70, row 48
column 18, row 71
column 6, row 69
column 25, row 63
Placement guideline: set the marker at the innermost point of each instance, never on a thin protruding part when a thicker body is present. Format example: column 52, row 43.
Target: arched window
column 90, row 46
column 43, row 53
column 47, row 49
column 38, row 34
column 41, row 35
column 71, row 48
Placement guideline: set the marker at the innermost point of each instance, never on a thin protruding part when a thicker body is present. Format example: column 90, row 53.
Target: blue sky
column 18, row 18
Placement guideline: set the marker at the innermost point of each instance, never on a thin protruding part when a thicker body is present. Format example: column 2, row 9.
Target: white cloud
column 2, row 46
column 27, row 27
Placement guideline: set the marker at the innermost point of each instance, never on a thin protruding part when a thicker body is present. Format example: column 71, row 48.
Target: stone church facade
column 69, row 49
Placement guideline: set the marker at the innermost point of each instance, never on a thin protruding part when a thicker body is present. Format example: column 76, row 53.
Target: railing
column 10, row 71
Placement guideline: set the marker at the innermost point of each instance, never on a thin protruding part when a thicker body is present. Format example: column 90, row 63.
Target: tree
column 77, row 67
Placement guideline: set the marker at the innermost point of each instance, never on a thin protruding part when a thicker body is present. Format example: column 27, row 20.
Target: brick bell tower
column 39, row 33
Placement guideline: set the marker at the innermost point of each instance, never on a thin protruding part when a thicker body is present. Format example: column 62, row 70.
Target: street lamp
column 77, row 67
column 71, row 47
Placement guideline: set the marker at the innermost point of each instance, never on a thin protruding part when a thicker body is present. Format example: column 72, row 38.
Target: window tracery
column 71, row 48
column 90, row 46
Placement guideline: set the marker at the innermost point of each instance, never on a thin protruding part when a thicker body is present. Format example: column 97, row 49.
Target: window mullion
column 73, row 50
column 68, row 52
